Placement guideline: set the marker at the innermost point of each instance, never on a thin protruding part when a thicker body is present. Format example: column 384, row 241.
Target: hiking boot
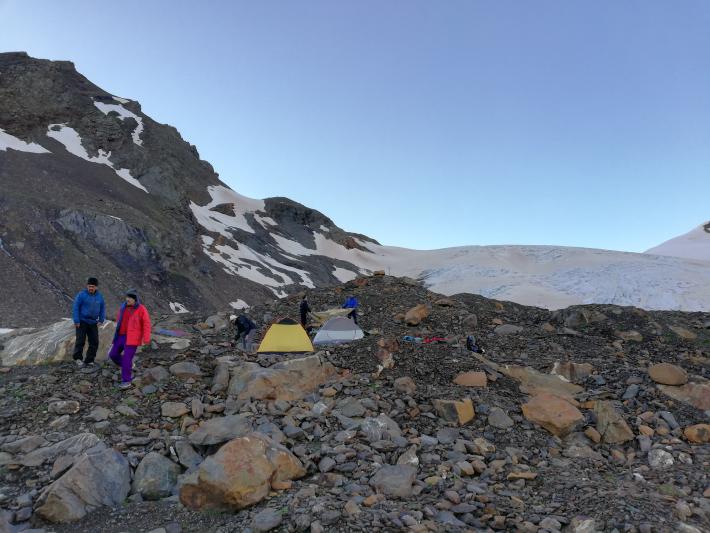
column 125, row 385
column 91, row 364
column 79, row 363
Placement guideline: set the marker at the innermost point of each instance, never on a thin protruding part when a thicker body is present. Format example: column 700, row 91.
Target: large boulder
column 219, row 430
column 155, row 477
column 533, row 381
column 73, row 446
column 394, row 481
column 96, row 480
column 50, row 344
column 554, row 413
column 610, row 424
column 240, row 474
column 416, row 315
column 695, row 394
column 186, row 370
column 574, row 372
column 289, row 380
column 668, row 374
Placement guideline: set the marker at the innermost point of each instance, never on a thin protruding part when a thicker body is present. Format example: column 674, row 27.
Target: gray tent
column 338, row 330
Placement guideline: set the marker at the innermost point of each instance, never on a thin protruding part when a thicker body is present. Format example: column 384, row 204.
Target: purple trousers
column 125, row 361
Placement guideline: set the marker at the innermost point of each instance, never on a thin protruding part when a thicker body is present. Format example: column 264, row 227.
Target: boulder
column 610, row 424
column 683, row 333
column 668, row 374
column 380, row 428
column 220, row 381
column 471, row 379
column 50, row 344
column 289, row 380
column 187, row 456
column 222, row 429
column 554, row 413
column 459, row 412
column 394, row 481
column 499, row 418
column 416, row 315
column 508, row 329
column 573, row 372
column 186, row 370
column 75, row 445
column 240, row 474
column 157, row 374
column 698, row 433
column 532, row 381
column 96, row 480
column 695, row 394
column 405, row 385
column 155, row 477
column 174, row 409
column 658, row 458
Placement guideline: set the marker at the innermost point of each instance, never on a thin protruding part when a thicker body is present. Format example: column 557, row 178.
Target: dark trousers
column 82, row 332
column 353, row 315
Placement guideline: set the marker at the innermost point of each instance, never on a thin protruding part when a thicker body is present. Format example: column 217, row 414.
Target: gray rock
column 97, row 479
column 658, row 458
column 157, row 374
column 187, row 455
column 24, row 444
column 326, row 464
column 266, row 520
column 155, row 477
column 220, row 381
column 75, row 445
column 222, row 429
column 174, row 409
column 379, row 428
column 631, row 392
column 186, row 370
column 64, row 407
column 98, row 414
column 508, row 329
column 351, row 407
column 499, row 418
column 394, row 480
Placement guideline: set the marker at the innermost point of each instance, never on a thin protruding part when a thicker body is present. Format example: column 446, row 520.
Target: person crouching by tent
column 132, row 330
column 351, row 303
column 244, row 327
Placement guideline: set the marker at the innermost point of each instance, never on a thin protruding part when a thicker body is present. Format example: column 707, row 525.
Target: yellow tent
column 285, row 336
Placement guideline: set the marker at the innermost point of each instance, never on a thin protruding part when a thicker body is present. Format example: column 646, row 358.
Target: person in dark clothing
column 304, row 308
column 471, row 345
column 88, row 312
column 351, row 303
column 244, row 327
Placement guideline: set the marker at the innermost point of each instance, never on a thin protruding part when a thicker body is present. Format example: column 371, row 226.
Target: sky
column 421, row 124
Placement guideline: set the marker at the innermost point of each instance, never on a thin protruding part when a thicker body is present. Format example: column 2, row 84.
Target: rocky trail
column 591, row 418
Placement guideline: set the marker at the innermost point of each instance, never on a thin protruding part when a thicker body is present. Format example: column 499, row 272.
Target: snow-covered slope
column 545, row 276
column 693, row 245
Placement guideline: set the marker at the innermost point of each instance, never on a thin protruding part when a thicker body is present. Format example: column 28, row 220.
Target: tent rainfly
column 338, row 330
column 285, row 336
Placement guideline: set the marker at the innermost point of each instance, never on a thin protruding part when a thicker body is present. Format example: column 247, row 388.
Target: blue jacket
column 89, row 308
column 350, row 303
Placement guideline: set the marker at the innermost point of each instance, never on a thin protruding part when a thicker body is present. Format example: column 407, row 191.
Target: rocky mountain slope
column 587, row 419
column 93, row 186
column 692, row 245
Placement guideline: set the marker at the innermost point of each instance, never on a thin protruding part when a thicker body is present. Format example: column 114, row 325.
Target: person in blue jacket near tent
column 351, row 303
column 88, row 312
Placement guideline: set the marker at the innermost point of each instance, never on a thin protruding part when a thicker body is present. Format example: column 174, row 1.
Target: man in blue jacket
column 351, row 303
column 88, row 312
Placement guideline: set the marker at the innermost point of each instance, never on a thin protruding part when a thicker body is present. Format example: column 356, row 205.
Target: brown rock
column 684, row 333
column 574, row 372
column 521, row 475
column 532, row 381
column 632, row 335
column 174, row 409
column 554, row 413
column 405, row 385
column 445, row 302
column 386, row 348
column 460, row 412
column 471, row 379
column 593, row 435
column 416, row 315
column 668, row 374
column 699, row 433
column 611, row 425
column 695, row 394
column 547, row 327
column 289, row 380
column 240, row 474
column 379, row 273
column 645, row 430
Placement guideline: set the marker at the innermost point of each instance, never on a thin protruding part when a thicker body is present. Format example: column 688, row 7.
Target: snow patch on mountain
column 692, row 245
column 219, row 222
column 11, row 142
column 239, row 304
column 71, row 140
column 123, row 114
column 343, row 274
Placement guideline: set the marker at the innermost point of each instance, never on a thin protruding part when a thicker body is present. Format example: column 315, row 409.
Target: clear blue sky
column 422, row 124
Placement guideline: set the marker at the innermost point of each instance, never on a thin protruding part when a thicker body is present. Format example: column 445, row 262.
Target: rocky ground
column 593, row 418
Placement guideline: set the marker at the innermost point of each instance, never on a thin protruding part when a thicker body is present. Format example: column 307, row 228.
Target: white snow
column 265, row 220
column 178, row 308
column 13, row 143
column 5, row 330
column 343, row 274
column 71, row 140
column 121, row 100
column 123, row 114
column 324, row 228
column 692, row 245
column 239, row 304
column 221, row 223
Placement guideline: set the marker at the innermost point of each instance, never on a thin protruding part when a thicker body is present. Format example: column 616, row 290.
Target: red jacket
column 138, row 330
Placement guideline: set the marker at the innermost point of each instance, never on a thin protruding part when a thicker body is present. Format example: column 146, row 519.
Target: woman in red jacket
column 132, row 330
